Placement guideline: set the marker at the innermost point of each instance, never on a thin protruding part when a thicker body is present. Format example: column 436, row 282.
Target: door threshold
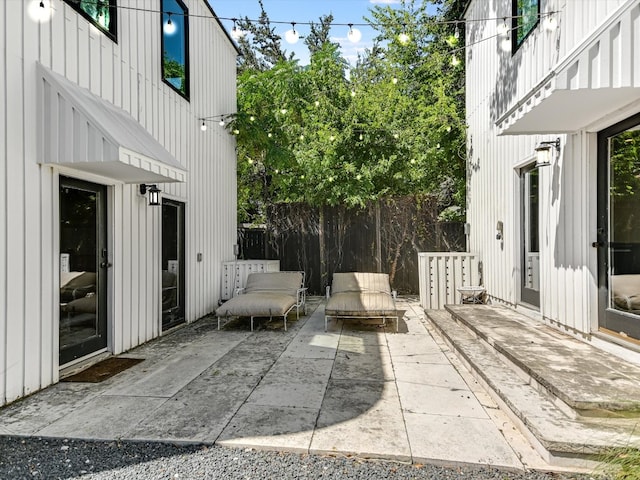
column 79, row 364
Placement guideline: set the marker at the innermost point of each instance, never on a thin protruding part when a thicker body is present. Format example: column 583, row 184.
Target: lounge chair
column 359, row 295
column 267, row 294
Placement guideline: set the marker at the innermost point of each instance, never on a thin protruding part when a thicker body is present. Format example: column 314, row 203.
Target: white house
column 561, row 242
column 102, row 105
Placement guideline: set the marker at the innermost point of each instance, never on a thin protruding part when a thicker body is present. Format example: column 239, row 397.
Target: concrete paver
column 353, row 390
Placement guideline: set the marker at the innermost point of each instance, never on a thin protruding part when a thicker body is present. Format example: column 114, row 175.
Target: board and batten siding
column 126, row 73
column 495, row 82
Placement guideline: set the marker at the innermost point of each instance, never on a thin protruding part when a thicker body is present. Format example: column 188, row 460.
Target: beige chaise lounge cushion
column 266, row 294
column 360, row 294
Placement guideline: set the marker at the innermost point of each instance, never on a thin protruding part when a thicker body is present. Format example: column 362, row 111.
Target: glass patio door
column 172, row 263
column 530, row 263
column 83, row 269
column 618, row 239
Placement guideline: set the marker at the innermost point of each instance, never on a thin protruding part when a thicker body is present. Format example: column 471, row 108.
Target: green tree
column 393, row 126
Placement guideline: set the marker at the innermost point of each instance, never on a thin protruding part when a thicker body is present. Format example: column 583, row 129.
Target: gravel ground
column 36, row 458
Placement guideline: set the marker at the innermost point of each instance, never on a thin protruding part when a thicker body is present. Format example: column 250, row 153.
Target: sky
column 300, row 11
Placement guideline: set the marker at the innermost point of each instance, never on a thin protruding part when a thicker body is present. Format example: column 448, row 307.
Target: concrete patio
column 354, row 390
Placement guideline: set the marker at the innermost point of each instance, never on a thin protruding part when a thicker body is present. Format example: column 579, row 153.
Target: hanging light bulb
column 503, row 29
column 283, row 111
column 252, row 118
column 396, row 136
column 394, row 80
column 354, row 34
column 332, row 138
column 550, row 22
column 505, row 44
column 291, row 36
column 203, row 127
column 361, row 137
column 455, row 61
column 236, row 33
column 40, row 10
column 169, row 27
column 221, row 123
column 236, row 131
column 353, row 93
column 269, row 135
column 317, row 103
column 403, row 38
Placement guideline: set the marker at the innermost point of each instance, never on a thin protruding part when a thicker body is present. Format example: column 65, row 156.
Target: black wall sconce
column 543, row 152
column 154, row 193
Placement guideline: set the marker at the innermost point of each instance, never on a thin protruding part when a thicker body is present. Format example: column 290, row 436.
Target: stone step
column 560, row 435
column 588, row 380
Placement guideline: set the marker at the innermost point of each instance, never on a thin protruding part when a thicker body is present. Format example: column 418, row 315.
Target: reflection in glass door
column 83, row 265
column 619, row 227
column 172, row 263
column 530, row 201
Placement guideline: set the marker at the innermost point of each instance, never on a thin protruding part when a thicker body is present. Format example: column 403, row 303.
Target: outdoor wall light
column 543, row 152
column 154, row 193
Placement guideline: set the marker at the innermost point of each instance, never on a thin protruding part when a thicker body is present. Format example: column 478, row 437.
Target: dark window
column 101, row 13
column 175, row 46
column 526, row 15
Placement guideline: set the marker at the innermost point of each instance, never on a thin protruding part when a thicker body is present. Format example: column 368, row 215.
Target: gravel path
column 36, row 458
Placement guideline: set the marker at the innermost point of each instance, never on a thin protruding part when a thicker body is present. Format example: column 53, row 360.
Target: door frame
column 103, row 278
column 181, row 279
column 609, row 319
column 528, row 296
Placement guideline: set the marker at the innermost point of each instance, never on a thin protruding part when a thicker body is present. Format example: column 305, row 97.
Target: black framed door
column 530, row 231
column 172, row 263
column 83, row 268
column 618, row 239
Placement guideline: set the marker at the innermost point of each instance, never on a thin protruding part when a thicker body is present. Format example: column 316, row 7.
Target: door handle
column 105, row 259
column 597, row 244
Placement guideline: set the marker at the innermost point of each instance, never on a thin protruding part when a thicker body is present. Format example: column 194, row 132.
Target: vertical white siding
column 495, row 82
column 128, row 74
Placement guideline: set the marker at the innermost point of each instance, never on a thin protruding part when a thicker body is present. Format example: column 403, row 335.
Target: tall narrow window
column 101, row 13
column 175, row 46
column 526, row 15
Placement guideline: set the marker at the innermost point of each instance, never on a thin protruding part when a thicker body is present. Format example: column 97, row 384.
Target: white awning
column 596, row 79
column 82, row 131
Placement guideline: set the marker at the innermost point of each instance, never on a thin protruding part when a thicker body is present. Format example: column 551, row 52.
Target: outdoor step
column 558, row 435
column 590, row 381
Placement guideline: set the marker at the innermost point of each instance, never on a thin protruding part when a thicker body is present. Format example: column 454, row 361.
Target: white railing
column 441, row 274
column 235, row 273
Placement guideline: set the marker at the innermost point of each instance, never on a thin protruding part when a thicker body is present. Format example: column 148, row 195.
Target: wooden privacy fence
column 441, row 274
column 384, row 237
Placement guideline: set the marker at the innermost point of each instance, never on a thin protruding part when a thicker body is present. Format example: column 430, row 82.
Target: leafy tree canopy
column 328, row 134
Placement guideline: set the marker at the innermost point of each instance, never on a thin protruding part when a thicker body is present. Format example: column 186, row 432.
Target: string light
column 221, row 122
column 550, row 22
column 236, row 33
column 354, row 34
column 505, row 44
column 291, row 36
column 403, row 38
column 203, row 127
column 40, row 11
column 503, row 29
column 169, row 27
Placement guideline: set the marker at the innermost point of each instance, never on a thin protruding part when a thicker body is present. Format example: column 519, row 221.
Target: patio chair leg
column 285, row 323
column 325, row 323
column 252, row 324
column 218, row 323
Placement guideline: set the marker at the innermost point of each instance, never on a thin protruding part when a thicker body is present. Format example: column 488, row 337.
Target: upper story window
column 101, row 13
column 526, row 15
column 175, row 46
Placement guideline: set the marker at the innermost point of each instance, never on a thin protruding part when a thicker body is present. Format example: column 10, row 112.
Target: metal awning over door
column 596, row 79
column 82, row 131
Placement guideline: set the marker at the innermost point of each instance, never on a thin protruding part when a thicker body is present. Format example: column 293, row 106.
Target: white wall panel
column 126, row 73
column 495, row 83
